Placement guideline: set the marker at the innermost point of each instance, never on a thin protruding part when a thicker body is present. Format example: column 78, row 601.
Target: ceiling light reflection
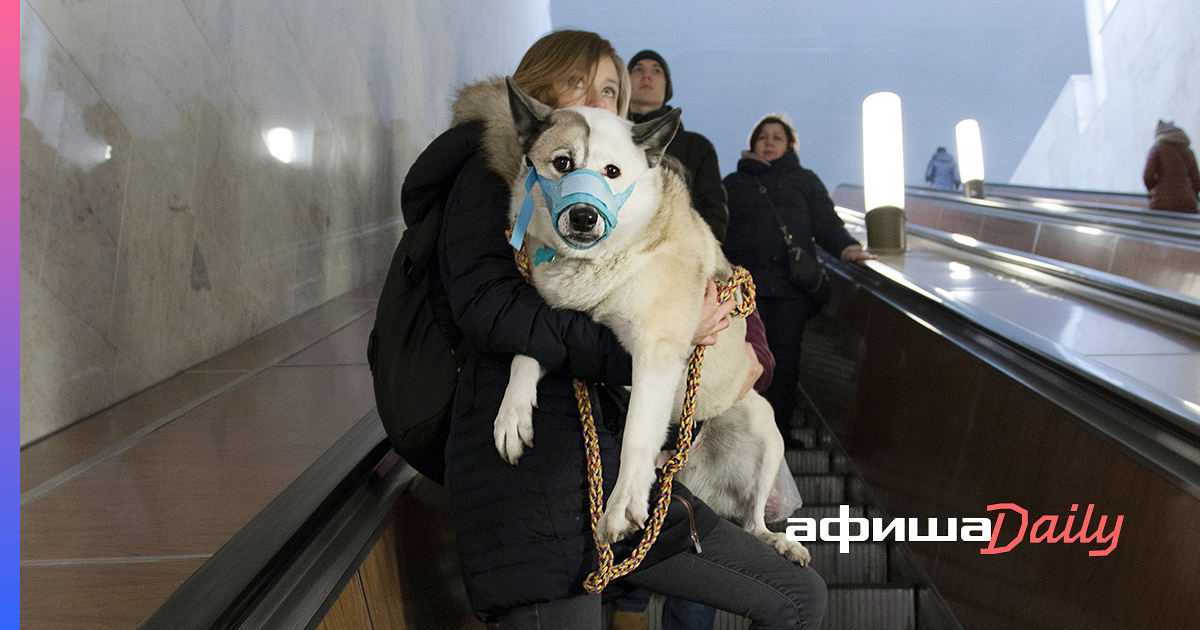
column 965, row 240
column 281, row 144
column 1053, row 207
column 959, row 271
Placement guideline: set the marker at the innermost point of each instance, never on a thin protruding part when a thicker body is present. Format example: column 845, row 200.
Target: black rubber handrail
column 1143, row 224
column 1124, row 198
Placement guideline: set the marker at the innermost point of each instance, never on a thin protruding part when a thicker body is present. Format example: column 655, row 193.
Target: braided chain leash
column 608, row 572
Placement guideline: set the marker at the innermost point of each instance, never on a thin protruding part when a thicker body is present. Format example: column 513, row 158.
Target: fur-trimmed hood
column 1168, row 132
column 487, row 101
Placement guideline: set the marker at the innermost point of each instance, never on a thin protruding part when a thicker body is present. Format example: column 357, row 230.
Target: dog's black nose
column 582, row 216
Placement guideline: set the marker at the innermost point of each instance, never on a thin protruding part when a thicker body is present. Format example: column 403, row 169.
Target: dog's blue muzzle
column 583, row 186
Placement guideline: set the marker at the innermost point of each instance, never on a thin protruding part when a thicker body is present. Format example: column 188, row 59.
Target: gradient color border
column 10, row 307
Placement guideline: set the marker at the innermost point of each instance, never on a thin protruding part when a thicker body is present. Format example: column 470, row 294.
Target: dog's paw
column 621, row 516
column 513, row 430
column 789, row 549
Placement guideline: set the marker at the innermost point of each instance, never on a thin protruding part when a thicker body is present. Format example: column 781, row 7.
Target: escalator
column 1155, row 251
column 920, row 402
column 943, row 417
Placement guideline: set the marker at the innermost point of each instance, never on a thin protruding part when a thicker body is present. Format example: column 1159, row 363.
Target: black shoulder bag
column 805, row 271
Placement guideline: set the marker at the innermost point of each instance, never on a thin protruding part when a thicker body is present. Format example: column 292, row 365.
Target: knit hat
column 653, row 56
column 790, row 131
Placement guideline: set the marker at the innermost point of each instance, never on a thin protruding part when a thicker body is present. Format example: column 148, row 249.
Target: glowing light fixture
column 1088, row 230
column 883, row 173
column 970, row 157
column 108, row 151
column 281, row 144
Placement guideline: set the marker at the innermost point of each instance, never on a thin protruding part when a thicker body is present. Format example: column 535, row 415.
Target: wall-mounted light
column 970, row 157
column 883, row 173
column 281, row 144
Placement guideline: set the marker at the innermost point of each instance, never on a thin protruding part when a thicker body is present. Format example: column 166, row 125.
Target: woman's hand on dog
column 714, row 317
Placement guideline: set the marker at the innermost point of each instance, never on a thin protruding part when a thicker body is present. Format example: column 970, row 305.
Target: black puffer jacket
column 524, row 533
column 754, row 240
column 703, row 175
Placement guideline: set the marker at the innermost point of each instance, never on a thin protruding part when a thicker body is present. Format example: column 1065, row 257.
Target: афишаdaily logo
column 1044, row 530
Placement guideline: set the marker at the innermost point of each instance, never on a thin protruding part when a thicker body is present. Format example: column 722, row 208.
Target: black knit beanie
column 650, row 54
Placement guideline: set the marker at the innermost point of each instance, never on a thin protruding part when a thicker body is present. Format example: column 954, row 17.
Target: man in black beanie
column 651, row 81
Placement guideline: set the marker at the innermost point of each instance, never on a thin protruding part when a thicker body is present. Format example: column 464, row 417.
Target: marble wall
column 157, row 228
column 1145, row 66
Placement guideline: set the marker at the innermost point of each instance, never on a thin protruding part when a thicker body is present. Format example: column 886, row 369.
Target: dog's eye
column 562, row 163
column 612, row 172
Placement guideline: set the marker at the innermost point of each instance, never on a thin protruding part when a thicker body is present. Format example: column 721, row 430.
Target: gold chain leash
column 607, row 571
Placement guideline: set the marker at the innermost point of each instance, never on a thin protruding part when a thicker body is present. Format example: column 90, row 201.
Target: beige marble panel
column 155, row 256
column 38, row 161
column 191, row 237
column 85, row 223
column 338, row 73
column 68, row 370
column 74, row 167
column 144, row 63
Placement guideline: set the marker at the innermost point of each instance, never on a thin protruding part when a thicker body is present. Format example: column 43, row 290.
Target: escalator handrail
column 1136, row 223
column 1141, row 198
column 1183, row 306
column 1164, row 437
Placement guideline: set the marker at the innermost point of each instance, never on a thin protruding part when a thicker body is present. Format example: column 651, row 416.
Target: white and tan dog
column 645, row 280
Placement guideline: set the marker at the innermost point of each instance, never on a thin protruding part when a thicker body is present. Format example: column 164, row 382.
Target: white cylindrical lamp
column 970, row 157
column 883, row 173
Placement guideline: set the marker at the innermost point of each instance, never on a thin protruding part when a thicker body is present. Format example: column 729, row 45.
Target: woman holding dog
column 769, row 188
column 523, row 531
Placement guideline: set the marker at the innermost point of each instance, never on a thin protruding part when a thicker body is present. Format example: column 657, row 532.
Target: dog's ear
column 653, row 136
column 529, row 115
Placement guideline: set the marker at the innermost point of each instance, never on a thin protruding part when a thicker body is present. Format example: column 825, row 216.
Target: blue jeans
column 680, row 614
column 736, row 572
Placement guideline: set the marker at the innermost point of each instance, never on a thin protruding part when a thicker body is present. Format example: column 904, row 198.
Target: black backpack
column 414, row 349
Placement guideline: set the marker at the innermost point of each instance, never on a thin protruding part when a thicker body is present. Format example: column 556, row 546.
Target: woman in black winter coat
column 523, row 531
column 770, row 173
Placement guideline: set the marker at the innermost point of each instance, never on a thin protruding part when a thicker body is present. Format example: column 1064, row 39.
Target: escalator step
column 848, row 608
column 807, row 462
column 865, row 564
column 818, row 512
column 822, row 489
column 878, row 608
column 803, row 436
